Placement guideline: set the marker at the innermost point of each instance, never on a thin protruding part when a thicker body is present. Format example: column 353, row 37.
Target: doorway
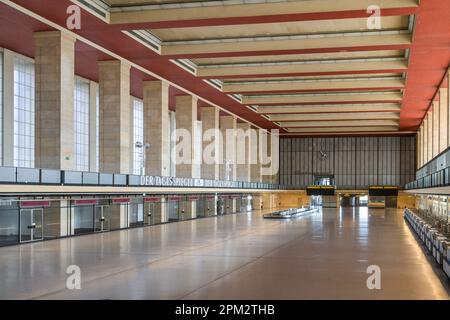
column 31, row 225
column 101, row 218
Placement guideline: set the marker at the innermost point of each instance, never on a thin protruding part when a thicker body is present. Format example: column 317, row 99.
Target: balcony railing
column 440, row 178
column 13, row 175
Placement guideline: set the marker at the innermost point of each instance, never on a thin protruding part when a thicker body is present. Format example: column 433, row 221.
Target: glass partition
column 31, row 219
column 136, row 212
column 9, row 222
column 173, row 205
column 154, row 210
column 200, row 207
column 83, row 219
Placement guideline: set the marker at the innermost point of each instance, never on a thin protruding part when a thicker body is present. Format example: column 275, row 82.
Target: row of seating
column 437, row 244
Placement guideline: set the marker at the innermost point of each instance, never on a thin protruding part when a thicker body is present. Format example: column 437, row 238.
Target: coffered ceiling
column 308, row 67
column 322, row 75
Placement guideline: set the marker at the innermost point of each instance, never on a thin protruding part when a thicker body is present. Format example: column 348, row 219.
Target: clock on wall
column 323, row 155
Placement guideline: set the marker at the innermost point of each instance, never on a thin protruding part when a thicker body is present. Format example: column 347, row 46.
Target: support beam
column 254, row 12
column 331, row 43
column 337, row 123
column 336, row 116
column 115, row 113
column 55, row 82
column 393, row 97
column 330, row 108
column 312, row 85
column 306, row 68
column 344, row 129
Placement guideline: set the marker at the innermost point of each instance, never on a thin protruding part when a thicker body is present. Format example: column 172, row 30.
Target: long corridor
column 322, row 256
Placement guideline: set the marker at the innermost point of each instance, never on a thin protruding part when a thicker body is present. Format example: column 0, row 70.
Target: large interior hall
column 204, row 150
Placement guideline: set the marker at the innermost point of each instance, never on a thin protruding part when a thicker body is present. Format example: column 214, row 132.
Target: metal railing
column 440, row 178
column 13, row 175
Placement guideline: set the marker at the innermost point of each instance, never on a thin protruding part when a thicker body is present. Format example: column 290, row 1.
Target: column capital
column 55, row 34
column 152, row 83
column 114, row 63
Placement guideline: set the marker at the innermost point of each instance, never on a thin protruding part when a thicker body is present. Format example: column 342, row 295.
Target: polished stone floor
column 322, row 256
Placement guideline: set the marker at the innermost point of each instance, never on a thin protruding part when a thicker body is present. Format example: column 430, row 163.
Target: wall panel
column 355, row 162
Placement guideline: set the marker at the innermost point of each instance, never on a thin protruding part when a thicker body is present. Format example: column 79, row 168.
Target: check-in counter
column 440, row 249
column 437, row 244
column 446, row 258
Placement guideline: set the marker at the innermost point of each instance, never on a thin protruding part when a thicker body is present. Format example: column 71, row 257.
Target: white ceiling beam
column 210, row 10
column 323, row 98
column 311, row 85
column 330, row 108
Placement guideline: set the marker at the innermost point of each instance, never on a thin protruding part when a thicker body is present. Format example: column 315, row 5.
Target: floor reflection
column 321, row 256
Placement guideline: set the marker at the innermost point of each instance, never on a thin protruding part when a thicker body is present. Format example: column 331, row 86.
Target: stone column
column 435, row 128
column 255, row 163
column 156, row 127
column 275, row 154
column 267, row 153
column 115, row 112
column 419, row 147
column 243, row 167
column 186, row 118
column 430, row 135
column 210, row 124
column 425, row 140
column 8, row 108
column 228, row 126
column 55, row 82
column 443, row 119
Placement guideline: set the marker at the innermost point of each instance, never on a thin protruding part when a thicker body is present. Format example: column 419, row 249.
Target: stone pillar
column 255, row 163
column 443, row 119
column 55, row 82
column 275, row 154
column 267, row 154
column 419, row 147
column 8, row 108
column 186, row 118
column 156, row 127
column 228, row 126
column 243, row 137
column 425, row 139
column 430, row 135
column 115, row 112
column 210, row 122
column 435, row 128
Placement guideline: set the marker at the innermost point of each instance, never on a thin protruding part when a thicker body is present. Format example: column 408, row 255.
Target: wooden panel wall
column 355, row 162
